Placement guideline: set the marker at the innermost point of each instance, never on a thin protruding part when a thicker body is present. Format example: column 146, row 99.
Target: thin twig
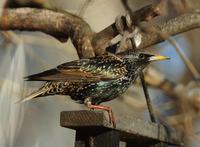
column 126, row 6
column 146, row 93
column 185, row 59
column 84, row 7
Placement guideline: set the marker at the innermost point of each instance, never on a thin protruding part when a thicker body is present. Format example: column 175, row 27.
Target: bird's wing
column 102, row 68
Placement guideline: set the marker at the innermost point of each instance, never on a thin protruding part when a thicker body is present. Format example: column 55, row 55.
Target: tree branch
column 58, row 25
column 64, row 25
column 102, row 39
column 147, row 97
column 174, row 26
column 180, row 24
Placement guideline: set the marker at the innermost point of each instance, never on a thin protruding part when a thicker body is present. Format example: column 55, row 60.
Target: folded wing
column 93, row 69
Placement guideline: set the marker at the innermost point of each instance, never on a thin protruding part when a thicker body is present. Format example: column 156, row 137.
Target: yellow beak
column 158, row 58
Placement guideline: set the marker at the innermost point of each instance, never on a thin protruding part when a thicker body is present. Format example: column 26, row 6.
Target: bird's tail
column 33, row 95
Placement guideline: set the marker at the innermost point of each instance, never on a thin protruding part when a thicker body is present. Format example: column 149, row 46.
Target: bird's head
column 141, row 59
column 144, row 57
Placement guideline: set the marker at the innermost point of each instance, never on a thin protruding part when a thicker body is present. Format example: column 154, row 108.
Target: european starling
column 94, row 80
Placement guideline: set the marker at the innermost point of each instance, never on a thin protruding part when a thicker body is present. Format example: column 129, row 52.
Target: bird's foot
column 105, row 108
column 108, row 109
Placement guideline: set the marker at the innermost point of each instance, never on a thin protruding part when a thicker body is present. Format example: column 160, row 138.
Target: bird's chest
column 103, row 90
column 124, row 83
column 108, row 90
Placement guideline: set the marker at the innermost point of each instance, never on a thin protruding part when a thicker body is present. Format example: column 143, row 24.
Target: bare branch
column 58, row 25
column 102, row 39
column 186, row 60
column 64, row 25
column 147, row 97
column 180, row 24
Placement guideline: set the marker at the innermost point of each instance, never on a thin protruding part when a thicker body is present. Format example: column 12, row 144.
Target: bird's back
column 95, row 77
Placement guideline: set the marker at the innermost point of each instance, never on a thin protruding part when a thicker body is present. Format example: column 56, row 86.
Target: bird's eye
column 141, row 56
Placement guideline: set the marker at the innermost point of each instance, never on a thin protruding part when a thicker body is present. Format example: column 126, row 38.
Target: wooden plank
column 98, row 138
column 130, row 129
column 105, row 139
column 81, row 139
column 160, row 144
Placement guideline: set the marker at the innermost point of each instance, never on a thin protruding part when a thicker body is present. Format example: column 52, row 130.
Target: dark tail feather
column 43, row 76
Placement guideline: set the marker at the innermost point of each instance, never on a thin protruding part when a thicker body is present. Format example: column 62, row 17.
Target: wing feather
column 93, row 69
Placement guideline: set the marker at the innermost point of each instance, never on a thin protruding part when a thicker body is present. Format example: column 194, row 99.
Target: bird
column 94, row 80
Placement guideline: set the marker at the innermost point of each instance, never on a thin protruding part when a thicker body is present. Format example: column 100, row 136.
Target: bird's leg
column 105, row 108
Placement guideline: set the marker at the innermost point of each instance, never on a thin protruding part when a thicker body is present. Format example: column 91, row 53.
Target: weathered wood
column 132, row 130
column 99, row 138
column 84, row 119
column 133, row 144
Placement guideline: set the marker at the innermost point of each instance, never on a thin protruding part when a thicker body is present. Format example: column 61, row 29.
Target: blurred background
column 36, row 123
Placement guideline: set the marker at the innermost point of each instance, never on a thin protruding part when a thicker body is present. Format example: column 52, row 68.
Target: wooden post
column 94, row 130
column 99, row 139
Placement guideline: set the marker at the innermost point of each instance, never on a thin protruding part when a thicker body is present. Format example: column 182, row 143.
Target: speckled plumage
column 95, row 80
column 101, row 78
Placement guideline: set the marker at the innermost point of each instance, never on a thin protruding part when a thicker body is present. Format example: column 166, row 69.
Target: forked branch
column 87, row 42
